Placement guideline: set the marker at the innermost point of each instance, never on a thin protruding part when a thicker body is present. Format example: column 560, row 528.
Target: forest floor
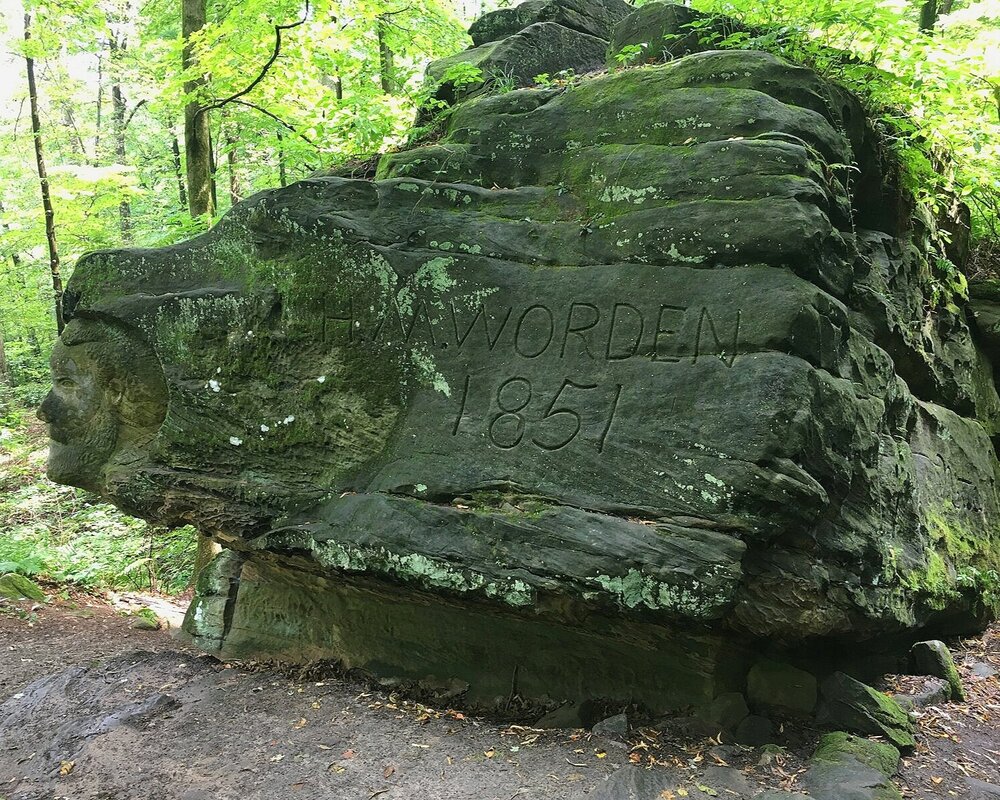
column 94, row 709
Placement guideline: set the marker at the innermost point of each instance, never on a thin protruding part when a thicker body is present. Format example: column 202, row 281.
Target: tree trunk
column 213, row 166
column 118, row 114
column 928, row 16
column 75, row 140
column 197, row 135
column 235, row 191
column 15, row 259
column 43, row 180
column 385, row 58
column 100, row 102
column 282, row 175
column 4, row 371
column 179, row 170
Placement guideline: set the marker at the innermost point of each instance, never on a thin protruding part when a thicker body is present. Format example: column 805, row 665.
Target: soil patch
column 93, row 709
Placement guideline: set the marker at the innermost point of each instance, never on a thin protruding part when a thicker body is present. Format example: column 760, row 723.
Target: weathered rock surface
column 853, row 706
column 635, row 783
column 512, row 46
column 933, row 692
column 755, row 731
column 934, row 658
column 845, row 767
column 725, row 712
column 772, row 684
column 980, row 790
column 583, row 398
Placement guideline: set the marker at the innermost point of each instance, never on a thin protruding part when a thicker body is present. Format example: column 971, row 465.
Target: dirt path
column 95, row 710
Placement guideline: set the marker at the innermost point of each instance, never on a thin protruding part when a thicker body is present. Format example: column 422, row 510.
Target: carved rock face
column 106, row 404
column 82, row 424
column 632, row 360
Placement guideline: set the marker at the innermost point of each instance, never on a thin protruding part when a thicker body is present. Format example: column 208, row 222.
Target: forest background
column 153, row 118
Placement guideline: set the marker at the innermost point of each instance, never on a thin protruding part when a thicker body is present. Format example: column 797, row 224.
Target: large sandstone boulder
column 591, row 395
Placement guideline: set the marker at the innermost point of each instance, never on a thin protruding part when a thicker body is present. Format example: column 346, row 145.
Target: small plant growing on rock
column 630, row 53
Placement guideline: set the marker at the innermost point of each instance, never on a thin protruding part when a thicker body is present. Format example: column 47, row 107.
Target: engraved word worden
column 588, row 329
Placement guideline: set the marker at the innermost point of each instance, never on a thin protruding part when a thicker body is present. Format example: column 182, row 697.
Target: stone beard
column 107, row 399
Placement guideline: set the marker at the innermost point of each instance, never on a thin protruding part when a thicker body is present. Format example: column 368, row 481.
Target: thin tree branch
column 263, row 73
column 43, row 179
column 402, row 10
column 131, row 114
column 276, row 118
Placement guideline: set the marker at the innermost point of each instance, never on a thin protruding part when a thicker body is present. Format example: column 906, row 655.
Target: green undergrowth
column 68, row 535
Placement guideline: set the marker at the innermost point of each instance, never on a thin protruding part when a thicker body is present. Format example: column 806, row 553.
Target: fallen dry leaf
column 66, row 767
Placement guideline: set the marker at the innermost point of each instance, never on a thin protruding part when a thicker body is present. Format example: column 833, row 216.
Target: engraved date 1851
column 561, row 422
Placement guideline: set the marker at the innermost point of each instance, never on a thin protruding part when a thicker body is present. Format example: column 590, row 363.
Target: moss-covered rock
column 851, row 705
column 18, row 587
column 877, row 755
column 934, row 658
column 631, row 349
column 846, row 767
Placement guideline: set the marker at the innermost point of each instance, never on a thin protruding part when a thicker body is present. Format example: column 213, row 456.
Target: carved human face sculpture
column 82, row 419
column 107, row 397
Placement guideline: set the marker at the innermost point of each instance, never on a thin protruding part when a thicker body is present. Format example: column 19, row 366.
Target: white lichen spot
column 675, row 254
column 619, row 194
column 428, row 371
column 288, row 420
column 214, row 385
column 264, row 428
column 434, row 275
column 421, row 487
column 321, row 379
column 235, row 441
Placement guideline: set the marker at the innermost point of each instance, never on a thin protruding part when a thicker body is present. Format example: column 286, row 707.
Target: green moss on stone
column 877, row 755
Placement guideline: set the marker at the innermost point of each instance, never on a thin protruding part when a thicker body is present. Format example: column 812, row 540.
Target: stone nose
column 44, row 412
